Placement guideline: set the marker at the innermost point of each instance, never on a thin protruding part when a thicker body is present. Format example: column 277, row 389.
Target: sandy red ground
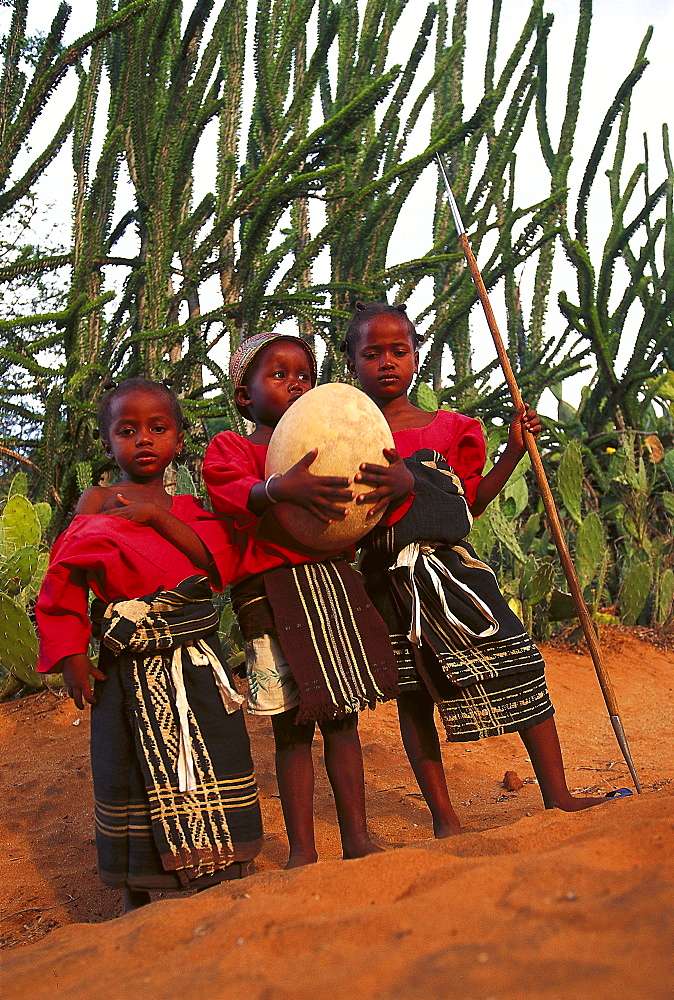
column 525, row 903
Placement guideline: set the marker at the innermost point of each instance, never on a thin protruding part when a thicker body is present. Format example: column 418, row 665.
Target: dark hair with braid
column 365, row 313
column 136, row 384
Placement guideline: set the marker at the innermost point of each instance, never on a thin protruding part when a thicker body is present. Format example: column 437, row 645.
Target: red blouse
column 458, row 438
column 117, row 559
column 232, row 466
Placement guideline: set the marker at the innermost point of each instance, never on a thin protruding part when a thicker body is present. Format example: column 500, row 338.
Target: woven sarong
column 464, row 639
column 173, row 777
column 337, row 645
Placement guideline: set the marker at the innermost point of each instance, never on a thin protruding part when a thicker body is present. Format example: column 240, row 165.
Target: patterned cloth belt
column 156, row 630
column 420, row 554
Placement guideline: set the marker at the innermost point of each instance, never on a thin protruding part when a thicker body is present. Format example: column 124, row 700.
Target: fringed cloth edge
column 337, row 645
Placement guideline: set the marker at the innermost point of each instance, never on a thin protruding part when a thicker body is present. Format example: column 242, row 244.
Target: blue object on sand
column 619, row 793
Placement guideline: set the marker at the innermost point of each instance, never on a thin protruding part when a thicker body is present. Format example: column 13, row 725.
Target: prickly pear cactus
column 561, row 606
column 530, row 531
column 504, row 530
column 18, row 642
column 536, row 581
column 23, row 563
column 426, row 397
column 184, row 482
column 9, row 684
column 482, row 537
column 32, row 588
column 636, row 587
column 20, row 524
column 541, row 583
column 44, row 515
column 19, row 484
column 665, row 596
column 18, row 569
column 516, row 495
column 590, row 548
column 668, row 464
column 570, row 480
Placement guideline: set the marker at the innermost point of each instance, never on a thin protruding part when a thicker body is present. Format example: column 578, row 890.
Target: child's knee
column 334, row 727
column 416, row 704
column 288, row 735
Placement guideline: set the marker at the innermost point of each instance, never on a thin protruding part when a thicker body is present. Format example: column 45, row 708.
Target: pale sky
column 617, row 30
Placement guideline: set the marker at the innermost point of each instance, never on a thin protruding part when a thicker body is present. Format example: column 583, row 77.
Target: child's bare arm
column 76, row 672
column 322, row 496
column 514, row 452
column 169, row 526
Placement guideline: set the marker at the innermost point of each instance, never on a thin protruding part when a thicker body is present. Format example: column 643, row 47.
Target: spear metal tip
column 460, row 228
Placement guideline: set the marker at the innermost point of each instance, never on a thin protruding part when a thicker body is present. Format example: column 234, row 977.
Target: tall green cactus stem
column 84, row 476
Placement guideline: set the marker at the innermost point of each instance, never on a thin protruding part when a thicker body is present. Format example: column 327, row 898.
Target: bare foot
column 361, row 850
column 446, row 828
column 573, row 804
column 297, row 860
column 135, row 898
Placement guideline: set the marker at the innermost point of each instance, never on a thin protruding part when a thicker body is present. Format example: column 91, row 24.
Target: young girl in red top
column 491, row 682
column 316, row 649
column 176, row 800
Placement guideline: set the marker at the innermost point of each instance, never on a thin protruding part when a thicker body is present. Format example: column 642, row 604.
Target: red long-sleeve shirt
column 118, row 559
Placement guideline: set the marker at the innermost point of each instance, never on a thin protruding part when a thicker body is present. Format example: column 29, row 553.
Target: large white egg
column 348, row 429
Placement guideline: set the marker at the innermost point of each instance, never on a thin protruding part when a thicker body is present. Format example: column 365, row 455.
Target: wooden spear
column 546, row 493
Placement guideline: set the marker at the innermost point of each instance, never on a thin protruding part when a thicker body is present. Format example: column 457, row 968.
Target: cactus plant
column 18, row 642
column 83, row 475
column 561, row 606
column 570, row 480
column 23, row 563
column 426, row 397
column 184, row 482
column 44, row 516
column 668, row 465
column 530, row 531
column 32, row 588
column 18, row 569
column 516, row 495
column 9, row 684
column 590, row 548
column 504, row 531
column 541, row 583
column 19, row 485
column 636, row 587
column 482, row 537
column 20, row 524
column 665, row 596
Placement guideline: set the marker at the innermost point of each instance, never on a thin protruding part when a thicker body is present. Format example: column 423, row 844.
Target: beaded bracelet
column 270, row 498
